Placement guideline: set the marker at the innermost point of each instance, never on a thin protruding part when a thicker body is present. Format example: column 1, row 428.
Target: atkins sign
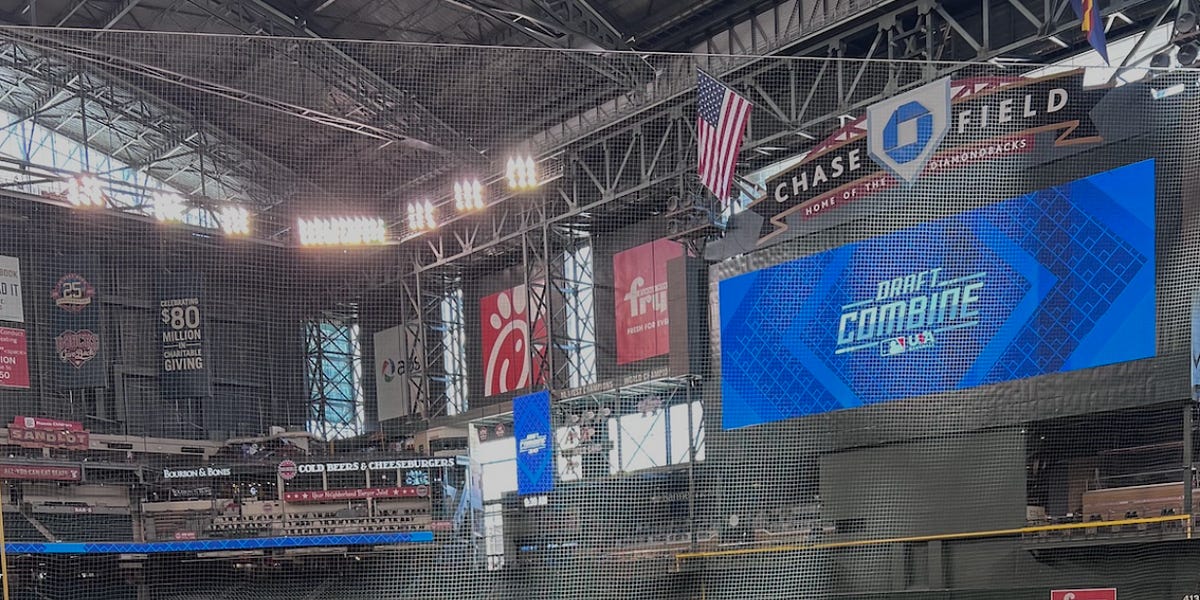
column 936, row 127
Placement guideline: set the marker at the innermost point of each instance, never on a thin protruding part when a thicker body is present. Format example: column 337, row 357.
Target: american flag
column 720, row 125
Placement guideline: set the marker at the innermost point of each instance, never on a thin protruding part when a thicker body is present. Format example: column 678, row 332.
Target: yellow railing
column 930, row 538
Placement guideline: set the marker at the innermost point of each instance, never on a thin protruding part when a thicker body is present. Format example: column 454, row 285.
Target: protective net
column 305, row 319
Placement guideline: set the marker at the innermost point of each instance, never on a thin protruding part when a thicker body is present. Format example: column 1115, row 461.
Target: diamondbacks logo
column 904, row 132
column 908, row 312
column 73, row 293
column 77, row 347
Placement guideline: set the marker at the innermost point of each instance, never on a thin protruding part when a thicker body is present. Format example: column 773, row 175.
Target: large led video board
column 1056, row 280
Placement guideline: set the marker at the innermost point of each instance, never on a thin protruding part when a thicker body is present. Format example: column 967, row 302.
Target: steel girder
column 653, row 154
column 654, row 151
column 765, row 31
column 379, row 100
column 568, row 24
column 572, row 315
column 131, row 126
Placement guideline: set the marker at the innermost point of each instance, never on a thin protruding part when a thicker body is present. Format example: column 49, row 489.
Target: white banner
column 391, row 374
column 11, row 307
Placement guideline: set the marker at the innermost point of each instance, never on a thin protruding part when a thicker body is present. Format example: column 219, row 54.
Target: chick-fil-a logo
column 510, row 338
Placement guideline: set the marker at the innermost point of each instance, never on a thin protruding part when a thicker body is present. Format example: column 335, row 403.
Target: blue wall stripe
column 358, row 539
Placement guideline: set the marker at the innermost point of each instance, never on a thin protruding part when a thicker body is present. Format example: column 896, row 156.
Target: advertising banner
column 640, row 281
column 48, row 424
column 11, row 306
column 29, row 432
column 39, row 473
column 181, row 331
column 356, row 494
column 78, row 350
column 190, row 493
column 1084, row 594
column 1196, row 346
column 510, row 338
column 533, row 432
column 14, row 359
column 391, row 374
column 924, row 133
column 491, row 432
column 195, row 473
column 375, row 465
column 1056, row 280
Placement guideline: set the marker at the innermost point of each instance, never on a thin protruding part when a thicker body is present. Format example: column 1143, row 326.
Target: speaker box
column 687, row 310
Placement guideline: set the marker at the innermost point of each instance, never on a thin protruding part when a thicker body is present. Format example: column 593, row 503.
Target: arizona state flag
column 1092, row 25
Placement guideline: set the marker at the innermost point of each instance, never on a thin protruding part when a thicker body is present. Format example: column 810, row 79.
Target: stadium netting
column 297, row 318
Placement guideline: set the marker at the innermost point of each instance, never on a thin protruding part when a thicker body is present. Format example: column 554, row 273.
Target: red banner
column 508, row 333
column 356, row 494
column 47, row 438
column 39, row 473
column 640, row 283
column 47, row 424
column 14, row 359
column 1085, row 594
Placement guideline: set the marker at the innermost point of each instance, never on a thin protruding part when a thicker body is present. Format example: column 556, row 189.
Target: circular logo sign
column 422, row 491
column 287, row 470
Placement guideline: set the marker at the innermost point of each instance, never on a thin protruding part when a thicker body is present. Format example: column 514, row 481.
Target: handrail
column 930, row 538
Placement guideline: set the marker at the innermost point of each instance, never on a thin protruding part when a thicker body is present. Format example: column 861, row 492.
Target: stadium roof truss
column 649, row 155
column 71, row 82
column 616, row 144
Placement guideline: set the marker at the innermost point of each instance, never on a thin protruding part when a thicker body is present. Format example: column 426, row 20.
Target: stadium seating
column 87, row 527
column 18, row 528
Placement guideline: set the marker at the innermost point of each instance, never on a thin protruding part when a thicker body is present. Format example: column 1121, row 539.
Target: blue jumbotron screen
column 1056, row 280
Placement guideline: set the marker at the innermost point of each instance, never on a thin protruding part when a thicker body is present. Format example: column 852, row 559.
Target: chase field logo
column 924, row 132
column 904, row 132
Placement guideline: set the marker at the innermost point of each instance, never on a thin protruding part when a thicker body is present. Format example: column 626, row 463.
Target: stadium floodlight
column 85, row 191
column 235, row 220
column 168, row 207
column 421, row 216
column 521, row 173
column 468, row 196
column 341, row 231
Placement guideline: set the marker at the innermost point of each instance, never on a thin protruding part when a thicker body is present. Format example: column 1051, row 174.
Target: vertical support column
column 536, row 266
column 937, row 566
column 1188, row 459
column 572, row 273
column 417, row 360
